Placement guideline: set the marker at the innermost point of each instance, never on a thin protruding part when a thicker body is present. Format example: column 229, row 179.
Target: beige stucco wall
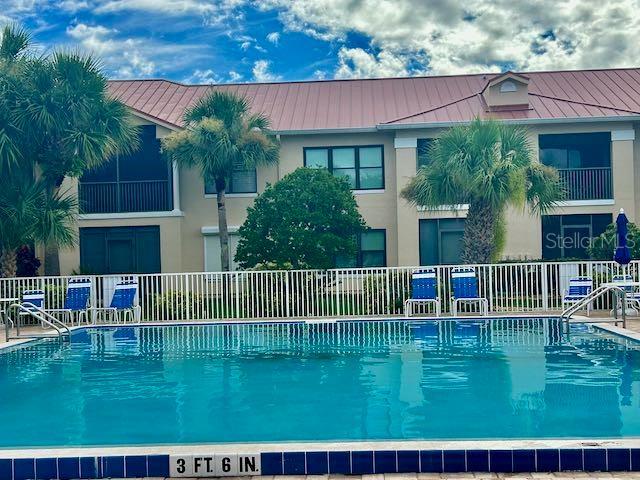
column 182, row 241
column 524, row 230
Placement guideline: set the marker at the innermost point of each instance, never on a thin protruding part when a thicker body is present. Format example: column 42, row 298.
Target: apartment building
column 142, row 215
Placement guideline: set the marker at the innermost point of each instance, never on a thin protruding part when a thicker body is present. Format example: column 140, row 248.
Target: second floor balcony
column 123, row 197
column 139, row 182
column 583, row 161
column 589, row 183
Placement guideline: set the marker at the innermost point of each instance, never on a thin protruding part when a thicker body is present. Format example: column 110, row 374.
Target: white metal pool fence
column 516, row 288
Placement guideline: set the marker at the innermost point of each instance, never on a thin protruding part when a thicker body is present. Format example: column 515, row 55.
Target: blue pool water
column 342, row 381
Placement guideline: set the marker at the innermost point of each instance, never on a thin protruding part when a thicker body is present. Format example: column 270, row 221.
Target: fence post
column 287, row 294
column 491, row 288
column 387, row 272
column 545, row 287
column 337, row 293
column 93, row 297
column 237, row 299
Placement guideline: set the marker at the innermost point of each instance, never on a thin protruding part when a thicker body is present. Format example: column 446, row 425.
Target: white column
column 406, row 214
column 623, row 172
column 176, row 187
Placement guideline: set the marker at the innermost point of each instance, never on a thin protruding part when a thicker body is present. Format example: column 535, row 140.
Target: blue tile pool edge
column 356, row 462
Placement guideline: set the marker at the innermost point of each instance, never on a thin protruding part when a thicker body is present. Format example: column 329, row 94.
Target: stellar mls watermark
column 578, row 241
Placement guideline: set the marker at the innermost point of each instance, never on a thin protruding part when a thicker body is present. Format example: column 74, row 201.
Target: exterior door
column 115, row 250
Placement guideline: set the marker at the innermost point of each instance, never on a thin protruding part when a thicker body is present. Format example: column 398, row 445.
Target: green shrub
column 176, row 304
column 603, row 247
column 386, row 293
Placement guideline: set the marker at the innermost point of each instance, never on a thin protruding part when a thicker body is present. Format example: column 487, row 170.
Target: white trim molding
column 215, row 230
column 175, row 185
column 586, row 203
column 445, row 208
column 127, row 215
column 619, row 135
column 405, row 142
column 367, row 192
column 232, row 195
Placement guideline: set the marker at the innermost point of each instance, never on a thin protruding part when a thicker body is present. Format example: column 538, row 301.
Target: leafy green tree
column 57, row 115
column 221, row 134
column 306, row 220
column 488, row 165
column 603, row 246
column 28, row 214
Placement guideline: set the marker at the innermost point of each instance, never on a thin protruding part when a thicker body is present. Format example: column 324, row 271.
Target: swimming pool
column 351, row 380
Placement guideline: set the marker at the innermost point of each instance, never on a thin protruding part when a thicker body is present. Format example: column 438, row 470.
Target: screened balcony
column 140, row 182
column 583, row 161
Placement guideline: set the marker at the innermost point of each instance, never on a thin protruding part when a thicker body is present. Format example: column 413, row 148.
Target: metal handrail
column 598, row 292
column 42, row 316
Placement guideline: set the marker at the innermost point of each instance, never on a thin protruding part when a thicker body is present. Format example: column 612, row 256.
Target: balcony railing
column 587, row 183
column 122, row 197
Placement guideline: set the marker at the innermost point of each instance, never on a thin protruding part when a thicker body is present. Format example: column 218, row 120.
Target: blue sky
column 212, row 41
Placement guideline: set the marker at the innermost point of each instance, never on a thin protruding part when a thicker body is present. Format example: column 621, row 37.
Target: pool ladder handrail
column 598, row 292
column 39, row 314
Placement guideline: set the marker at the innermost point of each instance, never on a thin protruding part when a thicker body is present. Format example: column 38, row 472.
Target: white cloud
column 357, row 63
column 273, row 37
column 234, row 76
column 454, row 36
column 320, row 74
column 203, row 77
column 73, row 6
column 261, row 72
column 171, row 7
column 127, row 57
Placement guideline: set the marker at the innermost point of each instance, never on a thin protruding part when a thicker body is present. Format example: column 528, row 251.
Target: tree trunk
column 222, row 225
column 51, row 253
column 51, row 259
column 478, row 241
column 8, row 263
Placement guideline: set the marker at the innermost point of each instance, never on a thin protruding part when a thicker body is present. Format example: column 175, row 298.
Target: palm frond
column 544, row 188
column 14, row 42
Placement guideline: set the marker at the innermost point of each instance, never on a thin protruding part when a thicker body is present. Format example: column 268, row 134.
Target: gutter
column 521, row 121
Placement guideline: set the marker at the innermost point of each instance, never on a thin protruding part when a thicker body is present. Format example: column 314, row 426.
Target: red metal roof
column 398, row 102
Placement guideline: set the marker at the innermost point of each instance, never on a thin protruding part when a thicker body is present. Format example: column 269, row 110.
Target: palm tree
column 220, row 133
column 28, row 214
column 58, row 115
column 488, row 165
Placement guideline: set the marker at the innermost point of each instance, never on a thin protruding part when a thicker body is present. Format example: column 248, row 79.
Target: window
column 371, row 251
column 441, row 241
column 115, row 250
column 362, row 166
column 422, row 152
column 212, row 261
column 576, row 150
column 568, row 236
column 243, row 180
column 508, row 86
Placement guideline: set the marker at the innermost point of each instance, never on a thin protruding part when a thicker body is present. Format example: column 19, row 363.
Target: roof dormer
column 508, row 90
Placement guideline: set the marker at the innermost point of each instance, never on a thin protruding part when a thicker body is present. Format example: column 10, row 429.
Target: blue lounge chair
column 579, row 288
column 32, row 298
column 123, row 302
column 424, row 286
column 76, row 301
column 465, row 290
column 633, row 295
